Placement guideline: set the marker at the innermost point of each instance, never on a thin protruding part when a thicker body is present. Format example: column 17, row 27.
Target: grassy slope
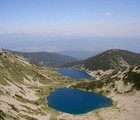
column 130, row 76
column 133, row 76
column 47, row 59
column 111, row 59
column 17, row 77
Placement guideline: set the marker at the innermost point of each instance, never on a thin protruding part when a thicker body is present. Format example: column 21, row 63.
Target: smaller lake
column 75, row 101
column 73, row 73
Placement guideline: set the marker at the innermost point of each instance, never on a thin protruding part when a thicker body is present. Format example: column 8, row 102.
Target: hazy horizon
column 27, row 43
column 49, row 25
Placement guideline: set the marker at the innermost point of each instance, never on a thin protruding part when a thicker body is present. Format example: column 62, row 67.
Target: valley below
column 25, row 86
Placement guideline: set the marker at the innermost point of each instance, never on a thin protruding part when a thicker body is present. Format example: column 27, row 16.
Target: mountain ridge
column 82, row 55
column 111, row 59
column 47, row 58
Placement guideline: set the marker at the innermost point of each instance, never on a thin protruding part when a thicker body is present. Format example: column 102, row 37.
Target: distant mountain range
column 110, row 59
column 51, row 43
column 79, row 54
column 47, row 58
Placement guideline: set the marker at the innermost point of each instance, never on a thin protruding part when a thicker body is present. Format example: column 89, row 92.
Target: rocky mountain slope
column 110, row 62
column 130, row 77
column 123, row 88
column 47, row 58
column 24, row 87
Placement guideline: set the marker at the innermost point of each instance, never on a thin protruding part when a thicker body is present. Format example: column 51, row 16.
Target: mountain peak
column 111, row 59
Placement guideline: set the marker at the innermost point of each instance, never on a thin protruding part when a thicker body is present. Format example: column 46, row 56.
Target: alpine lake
column 74, row 101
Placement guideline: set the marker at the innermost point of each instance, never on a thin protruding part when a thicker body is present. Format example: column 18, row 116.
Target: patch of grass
column 133, row 77
column 6, row 116
column 28, row 117
column 90, row 85
column 30, row 110
column 1, row 93
column 24, row 100
column 2, row 79
column 2, row 115
column 14, row 108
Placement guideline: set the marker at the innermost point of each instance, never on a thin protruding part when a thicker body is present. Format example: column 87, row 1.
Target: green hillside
column 47, row 58
column 111, row 59
column 133, row 76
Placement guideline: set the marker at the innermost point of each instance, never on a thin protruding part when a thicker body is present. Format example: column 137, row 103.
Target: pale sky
column 71, row 17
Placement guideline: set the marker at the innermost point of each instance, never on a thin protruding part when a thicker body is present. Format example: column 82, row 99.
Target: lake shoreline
column 75, row 101
column 126, row 109
column 74, row 73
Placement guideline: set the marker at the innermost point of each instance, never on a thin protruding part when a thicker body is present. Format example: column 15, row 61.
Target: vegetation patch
column 2, row 115
column 28, row 117
column 133, row 77
column 93, row 85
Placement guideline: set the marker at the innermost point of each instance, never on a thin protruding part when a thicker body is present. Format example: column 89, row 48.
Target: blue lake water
column 75, row 101
column 73, row 73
